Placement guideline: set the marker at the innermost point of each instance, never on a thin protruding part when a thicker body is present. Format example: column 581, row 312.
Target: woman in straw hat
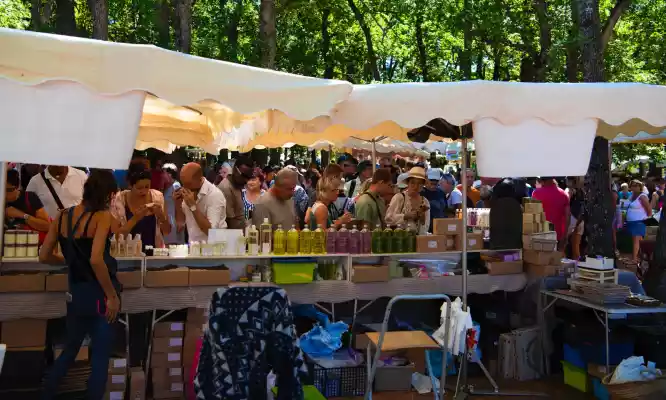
column 409, row 206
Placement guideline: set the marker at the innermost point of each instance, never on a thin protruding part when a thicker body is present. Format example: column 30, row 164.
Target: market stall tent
column 75, row 91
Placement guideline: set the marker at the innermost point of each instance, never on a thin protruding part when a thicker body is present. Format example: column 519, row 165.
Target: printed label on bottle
column 173, row 357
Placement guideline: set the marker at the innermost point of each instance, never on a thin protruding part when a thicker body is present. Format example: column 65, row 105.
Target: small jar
column 21, row 238
column 33, row 238
column 21, row 250
column 10, row 237
column 33, row 251
column 10, row 251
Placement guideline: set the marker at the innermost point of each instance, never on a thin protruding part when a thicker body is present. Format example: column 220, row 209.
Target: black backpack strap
column 53, row 192
column 352, row 186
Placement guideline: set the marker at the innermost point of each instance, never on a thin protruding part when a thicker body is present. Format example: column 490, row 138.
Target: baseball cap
column 402, row 178
column 434, row 174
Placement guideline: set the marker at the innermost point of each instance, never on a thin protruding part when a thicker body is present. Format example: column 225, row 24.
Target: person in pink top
column 556, row 206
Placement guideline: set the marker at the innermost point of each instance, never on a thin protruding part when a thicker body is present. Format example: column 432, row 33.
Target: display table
column 548, row 298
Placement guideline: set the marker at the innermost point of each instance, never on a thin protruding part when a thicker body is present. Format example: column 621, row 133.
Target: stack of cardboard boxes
column 197, row 320
column 166, row 360
column 539, row 242
column 116, row 383
column 447, row 236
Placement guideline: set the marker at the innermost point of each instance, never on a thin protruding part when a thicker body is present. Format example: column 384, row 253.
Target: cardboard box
column 539, row 218
column 23, row 333
column 117, row 366
column 447, row 226
column 474, row 241
column 544, row 245
column 176, row 277
column 166, row 376
column 197, row 315
column 504, row 267
column 193, row 331
column 528, row 228
column 137, row 385
column 129, row 279
column 167, row 329
column 394, row 378
column 527, row 242
column 541, row 271
column 115, row 395
column 451, row 241
column 528, row 218
column 166, row 360
column 57, row 283
column 82, row 355
column 370, row 273
column 209, row 277
column 542, row 257
column 116, row 383
column 431, row 243
column 533, row 208
column 167, row 344
column 35, row 282
column 175, row 391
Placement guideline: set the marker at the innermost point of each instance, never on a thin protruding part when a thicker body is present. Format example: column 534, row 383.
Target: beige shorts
column 572, row 226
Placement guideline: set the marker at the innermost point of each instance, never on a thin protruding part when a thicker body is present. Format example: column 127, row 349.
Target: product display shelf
column 244, row 256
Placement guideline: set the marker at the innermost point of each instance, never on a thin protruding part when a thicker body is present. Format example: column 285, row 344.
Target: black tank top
column 77, row 250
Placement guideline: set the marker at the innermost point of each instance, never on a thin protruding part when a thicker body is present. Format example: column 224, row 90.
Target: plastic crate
column 596, row 352
column 340, row 382
column 599, row 389
column 290, row 273
column 575, row 377
column 574, row 356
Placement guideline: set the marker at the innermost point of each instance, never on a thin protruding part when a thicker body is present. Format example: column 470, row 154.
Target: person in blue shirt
column 435, row 195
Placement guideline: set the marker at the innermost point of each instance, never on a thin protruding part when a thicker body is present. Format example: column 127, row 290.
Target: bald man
column 200, row 206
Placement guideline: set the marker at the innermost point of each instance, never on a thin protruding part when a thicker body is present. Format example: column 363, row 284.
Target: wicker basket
column 644, row 390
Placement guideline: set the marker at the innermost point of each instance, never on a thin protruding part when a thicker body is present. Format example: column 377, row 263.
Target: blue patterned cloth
column 247, row 206
column 250, row 332
column 300, row 200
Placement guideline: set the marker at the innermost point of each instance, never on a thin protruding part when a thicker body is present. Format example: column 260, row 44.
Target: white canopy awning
column 53, row 67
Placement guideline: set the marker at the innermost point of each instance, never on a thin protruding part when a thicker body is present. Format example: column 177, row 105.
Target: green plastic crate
column 575, row 377
column 290, row 273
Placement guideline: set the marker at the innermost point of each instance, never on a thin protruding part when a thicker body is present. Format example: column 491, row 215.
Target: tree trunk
column 65, row 23
column 573, row 60
column 545, row 41
column 162, row 22
column 466, row 56
column 420, row 44
column 326, row 44
column 480, row 70
column 35, row 15
column 232, row 34
column 184, row 25
column 590, row 40
column 372, row 58
column 267, row 33
column 497, row 62
column 99, row 10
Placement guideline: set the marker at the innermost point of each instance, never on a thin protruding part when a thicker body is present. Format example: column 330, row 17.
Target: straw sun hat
column 417, row 173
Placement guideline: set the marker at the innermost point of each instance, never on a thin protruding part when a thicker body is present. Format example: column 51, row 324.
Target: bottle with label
column 319, row 241
column 122, row 246
column 387, row 239
column 266, row 233
column 366, row 240
column 354, row 241
column 292, row 240
column 138, row 245
column 331, row 240
column 279, row 241
column 377, row 243
column 397, row 240
column 114, row 246
column 305, row 241
column 342, row 241
column 409, row 239
column 253, row 240
column 339, row 274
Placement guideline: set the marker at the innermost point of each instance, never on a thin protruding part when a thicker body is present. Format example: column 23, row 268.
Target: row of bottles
column 130, row 247
column 331, row 241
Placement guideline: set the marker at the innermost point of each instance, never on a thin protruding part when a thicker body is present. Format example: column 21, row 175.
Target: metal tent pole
column 374, row 155
column 3, row 193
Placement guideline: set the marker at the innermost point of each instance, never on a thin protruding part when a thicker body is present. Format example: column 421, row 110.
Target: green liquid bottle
column 410, row 239
column 319, row 241
column 305, row 239
column 279, row 241
column 377, row 244
column 387, row 240
column 292, row 241
column 398, row 240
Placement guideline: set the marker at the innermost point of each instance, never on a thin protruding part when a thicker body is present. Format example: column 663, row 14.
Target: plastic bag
column 323, row 341
column 633, row 369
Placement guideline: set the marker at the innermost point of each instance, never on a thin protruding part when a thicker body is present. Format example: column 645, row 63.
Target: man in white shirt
column 353, row 187
column 67, row 184
column 199, row 205
column 453, row 195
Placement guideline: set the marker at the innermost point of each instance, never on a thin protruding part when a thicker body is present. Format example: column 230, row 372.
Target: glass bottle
column 279, row 241
column 266, row 233
column 331, row 240
column 114, row 246
column 387, row 237
column 342, row 241
column 354, row 241
column 366, row 240
column 397, row 240
column 253, row 240
column 377, row 243
column 292, row 240
column 319, row 241
column 305, row 239
column 410, row 238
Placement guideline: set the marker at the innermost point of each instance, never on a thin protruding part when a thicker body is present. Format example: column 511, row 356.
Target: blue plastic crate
column 574, row 356
column 596, row 352
column 600, row 390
